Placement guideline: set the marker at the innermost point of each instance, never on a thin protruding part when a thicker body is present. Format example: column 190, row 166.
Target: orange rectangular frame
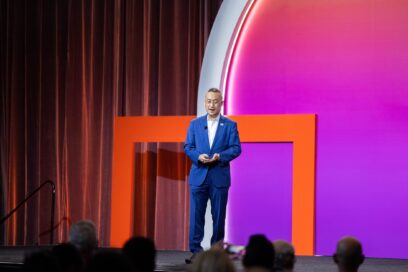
column 300, row 129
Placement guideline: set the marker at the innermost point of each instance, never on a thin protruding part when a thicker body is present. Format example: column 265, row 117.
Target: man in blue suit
column 212, row 142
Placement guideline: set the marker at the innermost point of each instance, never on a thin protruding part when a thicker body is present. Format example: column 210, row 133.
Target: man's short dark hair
column 349, row 253
column 259, row 252
column 284, row 255
column 215, row 90
column 141, row 253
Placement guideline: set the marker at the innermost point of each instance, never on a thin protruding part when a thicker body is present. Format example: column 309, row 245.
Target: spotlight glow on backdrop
column 346, row 61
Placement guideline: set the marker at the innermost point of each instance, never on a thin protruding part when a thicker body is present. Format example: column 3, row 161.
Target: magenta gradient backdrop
column 346, row 61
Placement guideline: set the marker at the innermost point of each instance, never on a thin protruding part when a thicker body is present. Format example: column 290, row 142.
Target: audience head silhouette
column 141, row 253
column 68, row 257
column 83, row 236
column 108, row 260
column 284, row 256
column 259, row 254
column 41, row 261
column 349, row 254
column 213, row 260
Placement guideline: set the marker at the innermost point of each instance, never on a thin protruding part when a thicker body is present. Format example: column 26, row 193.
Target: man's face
column 213, row 103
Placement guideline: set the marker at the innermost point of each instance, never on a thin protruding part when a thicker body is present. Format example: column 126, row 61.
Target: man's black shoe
column 191, row 259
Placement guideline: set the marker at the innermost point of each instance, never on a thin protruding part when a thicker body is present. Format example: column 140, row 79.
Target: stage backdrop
column 346, row 61
column 67, row 68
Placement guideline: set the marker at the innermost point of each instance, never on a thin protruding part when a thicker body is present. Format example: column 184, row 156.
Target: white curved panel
column 217, row 48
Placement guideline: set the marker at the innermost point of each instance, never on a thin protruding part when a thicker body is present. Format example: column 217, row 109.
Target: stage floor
column 11, row 259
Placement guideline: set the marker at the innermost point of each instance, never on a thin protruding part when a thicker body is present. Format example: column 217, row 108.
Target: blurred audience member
column 141, row 253
column 83, row 236
column 41, row 261
column 213, row 260
column 68, row 257
column 284, row 256
column 349, row 254
column 109, row 261
column 259, row 254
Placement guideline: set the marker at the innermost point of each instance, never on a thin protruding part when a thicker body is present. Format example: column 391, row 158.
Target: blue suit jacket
column 226, row 143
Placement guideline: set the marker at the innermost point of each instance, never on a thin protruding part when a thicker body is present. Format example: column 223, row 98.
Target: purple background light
column 267, row 186
column 346, row 61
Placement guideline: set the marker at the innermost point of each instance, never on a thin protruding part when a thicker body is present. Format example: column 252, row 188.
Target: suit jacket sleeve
column 190, row 144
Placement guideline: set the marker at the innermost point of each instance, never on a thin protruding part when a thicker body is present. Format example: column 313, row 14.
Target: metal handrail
column 31, row 195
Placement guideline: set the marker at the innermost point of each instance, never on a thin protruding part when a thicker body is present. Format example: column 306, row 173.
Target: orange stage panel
column 300, row 129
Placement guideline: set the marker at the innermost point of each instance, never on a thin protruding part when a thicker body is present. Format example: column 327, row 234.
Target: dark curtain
column 68, row 67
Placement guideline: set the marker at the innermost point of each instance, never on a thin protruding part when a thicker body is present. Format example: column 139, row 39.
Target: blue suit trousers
column 199, row 196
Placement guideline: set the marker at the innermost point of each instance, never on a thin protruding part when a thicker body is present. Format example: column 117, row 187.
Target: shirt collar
column 216, row 118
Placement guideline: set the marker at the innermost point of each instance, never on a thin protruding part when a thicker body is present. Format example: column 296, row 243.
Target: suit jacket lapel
column 204, row 127
column 219, row 132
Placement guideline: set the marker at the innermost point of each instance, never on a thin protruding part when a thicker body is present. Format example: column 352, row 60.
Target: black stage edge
column 11, row 259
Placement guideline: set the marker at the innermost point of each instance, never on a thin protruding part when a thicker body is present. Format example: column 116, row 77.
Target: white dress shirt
column 212, row 125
